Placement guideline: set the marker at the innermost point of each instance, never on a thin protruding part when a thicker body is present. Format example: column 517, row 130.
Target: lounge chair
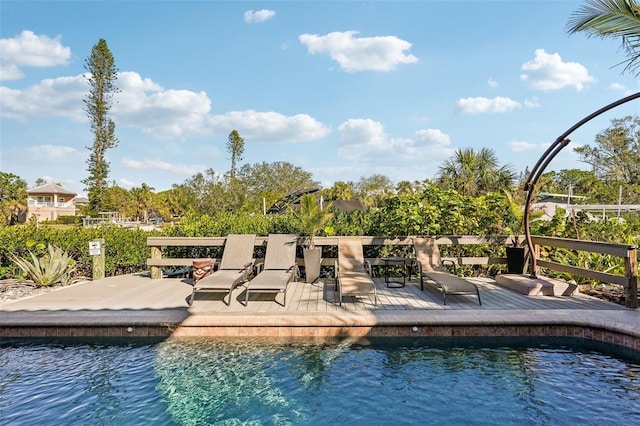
column 432, row 266
column 235, row 267
column 352, row 278
column 279, row 267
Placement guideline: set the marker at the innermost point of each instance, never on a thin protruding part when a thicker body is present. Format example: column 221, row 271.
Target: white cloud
column 30, row 50
column 164, row 114
column 141, row 103
column 52, row 152
column 155, row 165
column 58, row 97
column 532, row 103
column 433, row 137
column 492, row 83
column 482, row 105
column 269, row 126
column 251, row 17
column 360, row 54
column 548, row 72
column 364, row 141
column 126, row 183
column 519, row 146
column 617, row 87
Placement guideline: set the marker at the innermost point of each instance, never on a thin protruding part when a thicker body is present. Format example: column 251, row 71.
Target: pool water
column 386, row 381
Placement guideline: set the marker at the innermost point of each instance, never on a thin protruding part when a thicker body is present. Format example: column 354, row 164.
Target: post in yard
column 96, row 250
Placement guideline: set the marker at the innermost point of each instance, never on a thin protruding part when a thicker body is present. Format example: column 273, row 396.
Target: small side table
column 391, row 261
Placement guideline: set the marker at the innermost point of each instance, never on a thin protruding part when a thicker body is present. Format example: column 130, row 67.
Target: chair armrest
column 452, row 263
column 415, row 262
column 367, row 266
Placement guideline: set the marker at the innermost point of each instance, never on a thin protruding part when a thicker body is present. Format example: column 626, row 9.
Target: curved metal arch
column 544, row 161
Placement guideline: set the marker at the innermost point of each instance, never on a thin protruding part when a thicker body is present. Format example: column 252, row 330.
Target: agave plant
column 56, row 266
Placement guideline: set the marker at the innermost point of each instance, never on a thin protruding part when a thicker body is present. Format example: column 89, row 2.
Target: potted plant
column 515, row 256
column 312, row 219
column 515, row 251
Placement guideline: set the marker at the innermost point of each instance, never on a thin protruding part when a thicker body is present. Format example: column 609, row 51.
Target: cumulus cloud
column 251, row 17
column 360, row 54
column 492, row 83
column 621, row 88
column 53, row 152
column 58, row 97
column 532, row 103
column 433, row 137
column 482, row 105
column 547, row 72
column 164, row 114
column 269, row 126
column 365, row 141
column 519, row 146
column 156, row 165
column 141, row 103
column 30, row 50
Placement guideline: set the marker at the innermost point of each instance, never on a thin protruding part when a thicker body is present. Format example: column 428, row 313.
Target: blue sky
column 341, row 89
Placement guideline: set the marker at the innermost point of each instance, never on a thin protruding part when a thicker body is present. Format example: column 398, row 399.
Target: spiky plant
column 56, row 266
column 311, row 217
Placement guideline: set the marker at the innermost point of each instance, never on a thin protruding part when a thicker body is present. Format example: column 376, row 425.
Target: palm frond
column 611, row 19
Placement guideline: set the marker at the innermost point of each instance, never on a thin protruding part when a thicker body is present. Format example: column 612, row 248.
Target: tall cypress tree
column 101, row 75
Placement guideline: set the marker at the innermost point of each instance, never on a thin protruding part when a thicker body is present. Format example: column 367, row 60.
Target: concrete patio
column 135, row 305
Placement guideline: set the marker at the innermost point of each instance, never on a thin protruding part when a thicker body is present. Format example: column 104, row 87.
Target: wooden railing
column 157, row 261
column 628, row 252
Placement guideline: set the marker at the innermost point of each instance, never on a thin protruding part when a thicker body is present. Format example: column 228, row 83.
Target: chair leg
column 193, row 295
column 478, row 293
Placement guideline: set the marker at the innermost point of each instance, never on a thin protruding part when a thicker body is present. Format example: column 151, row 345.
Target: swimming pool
column 384, row 381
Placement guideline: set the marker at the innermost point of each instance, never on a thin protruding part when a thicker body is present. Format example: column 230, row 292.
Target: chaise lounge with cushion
column 352, row 278
column 432, row 266
column 235, row 267
column 279, row 267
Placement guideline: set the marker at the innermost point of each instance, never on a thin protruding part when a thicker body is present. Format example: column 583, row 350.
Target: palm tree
column 474, row 173
column 611, row 19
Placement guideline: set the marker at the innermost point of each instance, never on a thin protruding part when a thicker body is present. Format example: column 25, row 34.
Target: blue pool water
column 388, row 381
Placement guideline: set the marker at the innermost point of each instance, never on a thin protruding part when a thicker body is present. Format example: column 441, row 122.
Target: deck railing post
column 631, row 268
column 156, row 253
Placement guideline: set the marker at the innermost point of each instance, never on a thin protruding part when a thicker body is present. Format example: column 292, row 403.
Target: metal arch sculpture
column 291, row 198
column 544, row 161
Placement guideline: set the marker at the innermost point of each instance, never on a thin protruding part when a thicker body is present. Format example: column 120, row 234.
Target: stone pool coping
column 67, row 314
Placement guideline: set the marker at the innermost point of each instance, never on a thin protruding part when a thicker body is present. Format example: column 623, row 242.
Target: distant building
column 50, row 201
column 349, row 205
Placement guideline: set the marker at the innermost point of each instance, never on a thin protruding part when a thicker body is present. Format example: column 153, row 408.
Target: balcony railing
column 51, row 204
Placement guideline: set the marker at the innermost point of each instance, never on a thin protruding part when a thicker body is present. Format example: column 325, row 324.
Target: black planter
column 515, row 260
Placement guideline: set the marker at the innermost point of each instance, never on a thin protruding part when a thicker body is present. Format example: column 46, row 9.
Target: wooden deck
column 321, row 296
column 136, row 305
